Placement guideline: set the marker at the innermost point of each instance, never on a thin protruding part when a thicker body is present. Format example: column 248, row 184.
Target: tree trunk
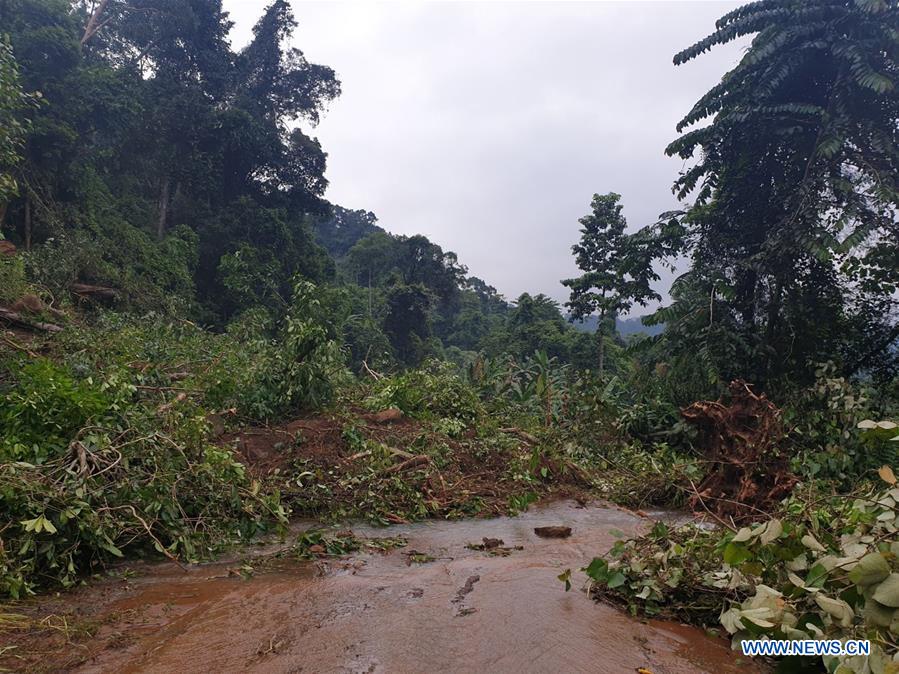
column 771, row 337
column 163, row 208
column 600, row 332
column 93, row 24
column 27, row 222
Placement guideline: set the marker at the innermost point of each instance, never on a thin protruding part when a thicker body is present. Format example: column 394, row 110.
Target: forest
column 198, row 349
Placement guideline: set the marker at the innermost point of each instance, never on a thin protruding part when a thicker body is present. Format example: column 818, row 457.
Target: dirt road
column 432, row 606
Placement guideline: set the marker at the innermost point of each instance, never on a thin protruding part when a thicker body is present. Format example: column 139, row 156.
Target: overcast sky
column 489, row 126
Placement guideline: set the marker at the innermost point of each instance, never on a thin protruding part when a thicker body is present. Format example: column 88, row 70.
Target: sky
column 488, row 126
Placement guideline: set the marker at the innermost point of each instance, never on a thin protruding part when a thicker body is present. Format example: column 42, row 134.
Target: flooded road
column 464, row 611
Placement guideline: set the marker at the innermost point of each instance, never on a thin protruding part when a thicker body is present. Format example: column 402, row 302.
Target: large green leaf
column 887, row 593
column 871, row 569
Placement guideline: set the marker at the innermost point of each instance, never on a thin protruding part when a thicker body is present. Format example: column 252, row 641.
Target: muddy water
column 466, row 611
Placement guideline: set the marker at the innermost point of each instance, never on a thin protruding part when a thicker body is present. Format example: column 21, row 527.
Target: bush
column 434, row 391
column 45, row 410
column 89, row 472
column 300, row 369
column 12, row 278
column 822, row 422
column 826, row 567
column 105, row 448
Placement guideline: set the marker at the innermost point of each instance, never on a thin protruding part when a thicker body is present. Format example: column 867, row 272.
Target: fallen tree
column 740, row 437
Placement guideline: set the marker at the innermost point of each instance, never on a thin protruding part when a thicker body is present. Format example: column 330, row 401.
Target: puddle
column 465, row 611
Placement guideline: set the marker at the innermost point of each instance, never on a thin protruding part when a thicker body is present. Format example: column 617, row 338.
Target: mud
column 466, row 611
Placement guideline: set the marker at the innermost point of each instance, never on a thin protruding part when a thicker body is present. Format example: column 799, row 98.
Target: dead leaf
column 886, row 474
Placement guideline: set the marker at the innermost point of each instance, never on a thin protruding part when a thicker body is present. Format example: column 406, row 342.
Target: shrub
column 44, row 411
column 434, row 391
column 826, row 567
column 12, row 278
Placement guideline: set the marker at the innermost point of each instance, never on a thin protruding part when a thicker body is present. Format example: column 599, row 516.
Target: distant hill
column 625, row 326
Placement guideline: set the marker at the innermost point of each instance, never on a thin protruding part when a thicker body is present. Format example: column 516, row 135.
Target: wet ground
column 464, row 611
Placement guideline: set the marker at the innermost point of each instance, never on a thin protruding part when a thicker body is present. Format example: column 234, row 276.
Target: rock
column 553, row 532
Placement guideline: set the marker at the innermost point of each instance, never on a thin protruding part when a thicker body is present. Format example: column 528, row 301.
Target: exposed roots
column 740, row 437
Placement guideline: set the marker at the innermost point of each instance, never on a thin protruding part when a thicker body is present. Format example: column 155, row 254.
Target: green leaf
column 109, row 546
column 598, row 570
column 871, row 569
column 617, row 579
column 735, row 553
column 887, row 593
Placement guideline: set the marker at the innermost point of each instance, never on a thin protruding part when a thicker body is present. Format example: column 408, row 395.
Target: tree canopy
column 792, row 228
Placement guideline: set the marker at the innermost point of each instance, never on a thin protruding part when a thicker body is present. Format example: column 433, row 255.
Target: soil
column 457, row 610
column 472, row 477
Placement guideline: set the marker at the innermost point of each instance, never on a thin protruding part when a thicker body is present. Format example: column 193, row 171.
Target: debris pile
column 740, row 437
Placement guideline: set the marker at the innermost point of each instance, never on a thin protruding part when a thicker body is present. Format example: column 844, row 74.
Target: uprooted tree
column 740, row 435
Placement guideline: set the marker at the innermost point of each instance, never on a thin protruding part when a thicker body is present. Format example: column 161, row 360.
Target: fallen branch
column 517, row 432
column 167, row 388
column 167, row 406
column 20, row 321
column 374, row 375
column 400, row 452
column 85, row 290
column 359, row 455
column 414, row 462
column 14, row 344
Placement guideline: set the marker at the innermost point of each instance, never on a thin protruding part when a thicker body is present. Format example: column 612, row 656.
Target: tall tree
column 157, row 134
column 617, row 266
column 408, row 321
column 793, row 227
column 12, row 129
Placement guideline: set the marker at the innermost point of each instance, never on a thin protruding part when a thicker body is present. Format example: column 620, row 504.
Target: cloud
column 488, row 126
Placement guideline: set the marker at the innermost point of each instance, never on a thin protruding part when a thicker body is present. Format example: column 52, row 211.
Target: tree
column 340, row 231
column 154, row 126
column 12, row 129
column 408, row 322
column 793, row 227
column 618, row 267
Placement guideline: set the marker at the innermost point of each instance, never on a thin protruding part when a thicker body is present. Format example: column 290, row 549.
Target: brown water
column 466, row 611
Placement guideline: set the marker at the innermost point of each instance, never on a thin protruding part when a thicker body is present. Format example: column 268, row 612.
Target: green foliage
column 47, row 408
column 824, row 425
column 824, row 568
column 408, row 322
column 92, row 469
column 436, row 391
column 618, row 267
column 301, row 369
column 793, row 226
column 13, row 101
column 13, row 282
column 343, row 229
column 162, row 155
column 105, row 447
